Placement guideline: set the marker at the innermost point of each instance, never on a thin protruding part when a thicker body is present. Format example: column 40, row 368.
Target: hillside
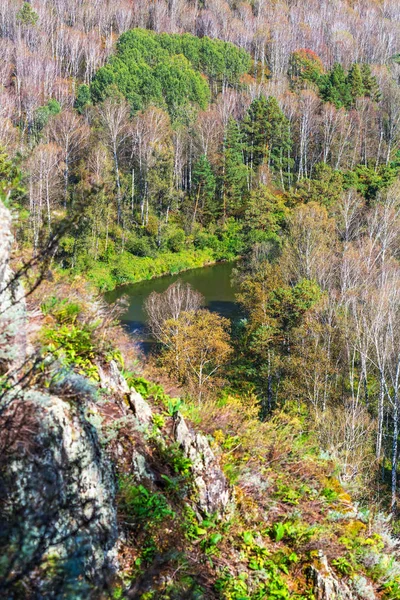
column 152, row 497
column 250, row 457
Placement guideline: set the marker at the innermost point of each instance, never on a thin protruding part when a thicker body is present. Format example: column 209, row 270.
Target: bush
column 73, row 344
column 176, row 243
column 140, row 246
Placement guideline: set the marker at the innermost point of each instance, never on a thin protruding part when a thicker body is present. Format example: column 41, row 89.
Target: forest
column 140, row 139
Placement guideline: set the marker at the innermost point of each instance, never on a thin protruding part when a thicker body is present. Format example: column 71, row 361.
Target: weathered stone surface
column 326, row 585
column 212, row 486
column 140, row 408
column 140, row 467
column 58, row 483
column 112, row 379
column 12, row 303
column 57, row 486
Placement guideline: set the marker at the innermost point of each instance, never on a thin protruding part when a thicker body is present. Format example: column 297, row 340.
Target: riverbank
column 213, row 282
column 128, row 268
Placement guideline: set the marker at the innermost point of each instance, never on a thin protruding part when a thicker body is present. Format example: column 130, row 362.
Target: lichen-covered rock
column 140, row 408
column 214, row 494
column 59, row 491
column 140, row 467
column 12, row 303
column 326, row 585
column 112, row 379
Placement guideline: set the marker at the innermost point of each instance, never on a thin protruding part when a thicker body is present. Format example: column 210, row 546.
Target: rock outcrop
column 326, row 585
column 214, row 495
column 59, row 529
column 12, row 303
column 57, row 489
column 140, row 408
column 213, row 489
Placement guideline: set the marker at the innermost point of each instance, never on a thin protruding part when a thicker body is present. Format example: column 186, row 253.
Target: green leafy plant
column 143, row 507
column 278, row 531
column 342, row 565
column 210, row 543
column 174, row 405
column 74, row 346
column 330, row 494
column 391, row 589
column 173, row 455
column 158, row 421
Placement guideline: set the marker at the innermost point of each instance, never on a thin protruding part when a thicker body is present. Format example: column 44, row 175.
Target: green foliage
column 158, row 421
column 369, row 181
column 174, row 405
column 370, row 83
column 237, row 588
column 289, row 304
column 210, row 544
column 43, row 114
column 325, row 187
column 69, row 340
column 343, row 89
column 391, row 590
column 267, row 135
column 27, row 15
column 203, row 191
column 176, row 241
column 342, row 565
column 295, row 532
column 330, row 494
column 234, row 172
column 221, row 62
column 63, row 311
column 355, row 82
column 173, row 456
column 304, row 65
column 278, row 531
column 11, row 187
column 73, row 344
column 83, row 98
column 266, row 213
column 166, row 70
column 143, row 508
column 130, row 269
column 148, row 389
column 334, row 87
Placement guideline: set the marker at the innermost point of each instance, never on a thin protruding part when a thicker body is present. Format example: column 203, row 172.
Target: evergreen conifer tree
column 203, row 191
column 266, row 135
column 334, row 87
column 234, row 171
column 355, row 82
column 371, row 86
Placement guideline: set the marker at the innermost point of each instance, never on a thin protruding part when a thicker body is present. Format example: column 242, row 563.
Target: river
column 213, row 282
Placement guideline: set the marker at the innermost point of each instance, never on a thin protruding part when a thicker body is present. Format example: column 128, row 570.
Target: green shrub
column 142, row 507
column 176, row 243
column 63, row 310
column 140, row 246
column 74, row 346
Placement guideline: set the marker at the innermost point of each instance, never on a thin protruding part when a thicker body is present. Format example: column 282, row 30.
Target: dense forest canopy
column 180, row 131
column 151, row 69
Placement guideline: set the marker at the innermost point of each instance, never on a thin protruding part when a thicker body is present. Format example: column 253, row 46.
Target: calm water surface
column 214, row 283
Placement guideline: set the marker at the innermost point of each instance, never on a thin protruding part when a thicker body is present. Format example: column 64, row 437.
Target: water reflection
column 214, row 283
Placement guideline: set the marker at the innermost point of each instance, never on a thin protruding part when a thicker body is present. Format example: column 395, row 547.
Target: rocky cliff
column 58, row 471
column 58, row 529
